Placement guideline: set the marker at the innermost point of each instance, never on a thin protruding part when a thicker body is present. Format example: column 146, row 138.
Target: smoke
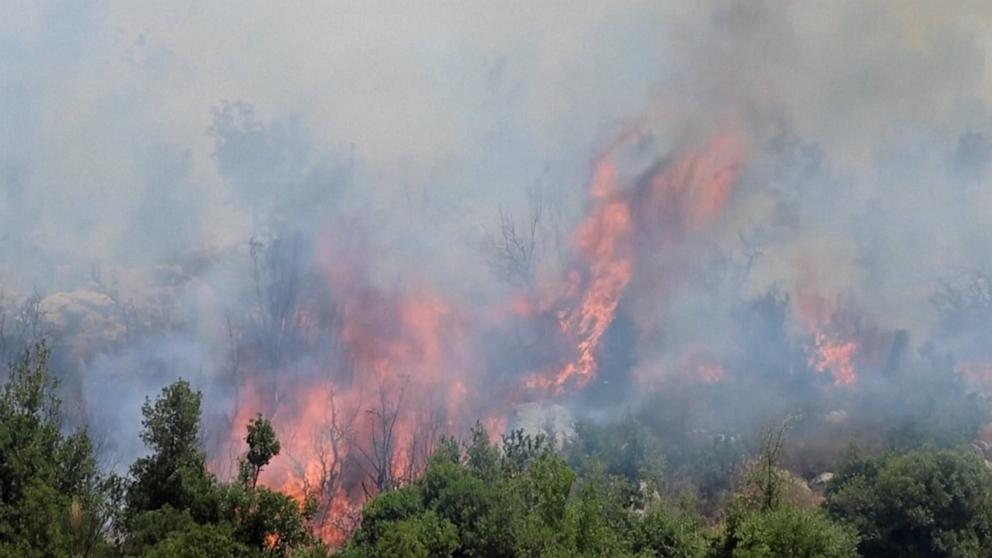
column 378, row 224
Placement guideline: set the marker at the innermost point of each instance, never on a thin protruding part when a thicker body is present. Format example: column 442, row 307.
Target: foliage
column 175, row 474
column 263, row 445
column 176, row 507
column 917, row 504
column 788, row 531
column 52, row 496
column 599, row 495
column 764, row 522
column 624, row 450
column 519, row 499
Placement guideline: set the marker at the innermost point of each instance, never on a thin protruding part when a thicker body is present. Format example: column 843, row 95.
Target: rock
column 85, row 320
column 821, row 481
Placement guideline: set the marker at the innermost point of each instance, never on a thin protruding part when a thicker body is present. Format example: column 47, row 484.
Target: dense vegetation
column 603, row 492
column 55, row 501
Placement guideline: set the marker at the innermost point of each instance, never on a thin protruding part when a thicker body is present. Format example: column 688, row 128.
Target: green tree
column 761, row 523
column 263, row 445
column 921, row 503
column 199, row 541
column 664, row 534
column 520, row 499
column 265, row 520
column 53, row 499
column 624, row 450
column 176, row 506
column 790, row 531
column 175, row 474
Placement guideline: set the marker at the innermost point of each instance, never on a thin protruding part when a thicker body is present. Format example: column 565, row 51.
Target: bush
column 917, row 504
column 789, row 531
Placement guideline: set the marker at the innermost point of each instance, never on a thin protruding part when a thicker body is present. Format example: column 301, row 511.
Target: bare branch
column 513, row 251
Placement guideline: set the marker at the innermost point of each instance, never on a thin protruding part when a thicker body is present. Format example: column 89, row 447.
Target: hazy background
column 143, row 147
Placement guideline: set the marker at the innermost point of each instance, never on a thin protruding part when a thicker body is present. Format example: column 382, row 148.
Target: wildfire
column 605, row 253
column 841, row 338
column 704, row 369
column 836, row 357
column 400, row 370
column 367, row 417
column 834, row 349
column 673, row 199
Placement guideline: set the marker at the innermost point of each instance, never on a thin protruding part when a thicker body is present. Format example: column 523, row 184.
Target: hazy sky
column 459, row 107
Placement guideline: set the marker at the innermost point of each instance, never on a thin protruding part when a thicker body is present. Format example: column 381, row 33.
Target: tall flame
column 403, row 370
column 672, row 200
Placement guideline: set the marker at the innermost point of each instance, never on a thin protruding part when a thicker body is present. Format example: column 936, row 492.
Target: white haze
column 868, row 128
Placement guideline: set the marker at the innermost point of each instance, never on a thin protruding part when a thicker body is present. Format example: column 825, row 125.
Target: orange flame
column 837, row 342
column 836, row 357
column 677, row 198
column 400, row 370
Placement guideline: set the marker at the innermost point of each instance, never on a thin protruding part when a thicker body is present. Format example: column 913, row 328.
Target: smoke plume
column 378, row 224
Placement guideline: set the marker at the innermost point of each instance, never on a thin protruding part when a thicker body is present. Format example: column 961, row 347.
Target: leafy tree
column 663, row 534
column 175, row 474
column 265, row 520
column 921, row 503
column 175, row 506
column 520, row 499
column 386, row 509
column 625, row 450
column 426, row 536
column 763, row 523
column 263, row 445
column 52, row 496
column 789, row 531
column 199, row 541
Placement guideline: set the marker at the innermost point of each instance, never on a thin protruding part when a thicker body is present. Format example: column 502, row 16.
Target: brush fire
column 388, row 234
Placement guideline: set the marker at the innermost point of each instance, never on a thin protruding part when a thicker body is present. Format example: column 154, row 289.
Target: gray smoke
column 168, row 176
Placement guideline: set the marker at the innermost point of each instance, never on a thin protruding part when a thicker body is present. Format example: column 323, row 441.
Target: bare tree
column 330, row 443
column 429, row 429
column 752, row 248
column 767, row 478
column 513, row 251
column 276, row 276
column 125, row 307
column 274, row 327
column 21, row 325
column 381, row 454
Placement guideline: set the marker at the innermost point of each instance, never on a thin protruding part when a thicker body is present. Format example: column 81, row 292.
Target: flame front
column 661, row 208
column 401, row 368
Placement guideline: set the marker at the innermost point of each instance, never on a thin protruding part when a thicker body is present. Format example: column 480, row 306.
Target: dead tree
column 125, row 307
column 380, row 455
column 767, row 477
column 513, row 251
column 276, row 277
column 330, row 443
column 273, row 327
column 752, row 248
column 429, row 429
column 21, row 325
